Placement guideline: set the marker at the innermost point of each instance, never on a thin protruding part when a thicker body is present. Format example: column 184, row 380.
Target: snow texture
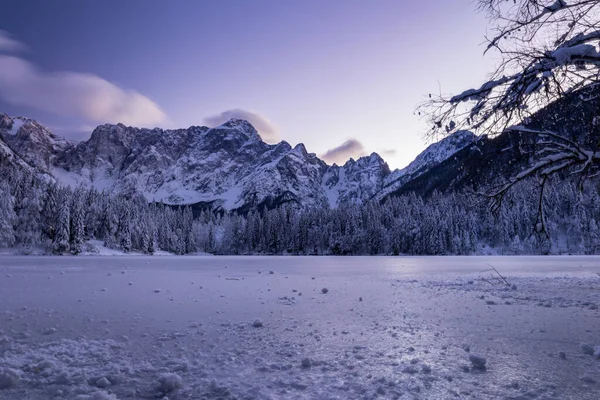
column 411, row 336
column 228, row 166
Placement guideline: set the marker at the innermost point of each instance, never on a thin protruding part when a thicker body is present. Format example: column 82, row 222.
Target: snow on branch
column 547, row 49
column 556, row 6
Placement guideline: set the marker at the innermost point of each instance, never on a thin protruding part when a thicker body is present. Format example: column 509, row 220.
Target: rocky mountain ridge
column 226, row 167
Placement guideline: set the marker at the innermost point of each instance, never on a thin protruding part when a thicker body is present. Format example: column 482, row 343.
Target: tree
column 548, row 49
column 124, row 227
column 60, row 243
column 77, row 221
column 7, row 216
column 109, row 221
column 27, row 207
column 50, row 212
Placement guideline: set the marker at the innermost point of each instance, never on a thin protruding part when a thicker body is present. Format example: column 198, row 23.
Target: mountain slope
column 431, row 157
column 227, row 167
column 489, row 161
column 33, row 142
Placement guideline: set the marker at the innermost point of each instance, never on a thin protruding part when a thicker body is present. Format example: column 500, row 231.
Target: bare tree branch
column 549, row 49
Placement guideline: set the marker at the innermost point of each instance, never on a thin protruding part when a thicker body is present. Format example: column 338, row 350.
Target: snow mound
column 101, row 395
column 9, row 378
column 169, row 382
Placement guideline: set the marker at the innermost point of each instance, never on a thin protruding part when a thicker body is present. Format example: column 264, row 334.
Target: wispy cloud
column 8, row 44
column 75, row 94
column 351, row 148
column 268, row 132
column 387, row 152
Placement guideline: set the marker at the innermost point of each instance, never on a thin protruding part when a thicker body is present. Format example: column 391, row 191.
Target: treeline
column 38, row 214
column 35, row 213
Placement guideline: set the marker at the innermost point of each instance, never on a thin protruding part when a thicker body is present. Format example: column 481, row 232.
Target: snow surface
column 388, row 327
column 90, row 248
column 17, row 124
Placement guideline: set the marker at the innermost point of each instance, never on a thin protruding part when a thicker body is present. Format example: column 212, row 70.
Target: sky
column 343, row 77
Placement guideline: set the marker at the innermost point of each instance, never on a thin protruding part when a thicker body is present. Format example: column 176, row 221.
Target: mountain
column 487, row 161
column 227, row 167
column 431, row 157
column 356, row 181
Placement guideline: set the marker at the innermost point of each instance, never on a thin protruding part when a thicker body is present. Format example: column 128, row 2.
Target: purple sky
column 321, row 72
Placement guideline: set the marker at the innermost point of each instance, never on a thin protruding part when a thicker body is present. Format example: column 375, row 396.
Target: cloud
column 387, row 152
column 268, row 132
column 73, row 94
column 351, row 148
column 8, row 44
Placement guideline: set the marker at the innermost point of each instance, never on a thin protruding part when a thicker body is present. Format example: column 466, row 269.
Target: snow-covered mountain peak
column 301, row 149
column 373, row 160
column 243, row 126
column 227, row 166
column 6, row 122
column 33, row 142
column 11, row 125
column 433, row 155
column 440, row 151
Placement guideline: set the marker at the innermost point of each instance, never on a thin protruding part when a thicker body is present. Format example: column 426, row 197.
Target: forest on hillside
column 39, row 214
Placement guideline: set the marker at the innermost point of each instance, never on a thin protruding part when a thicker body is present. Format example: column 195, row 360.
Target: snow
column 9, row 378
column 479, row 94
column 433, row 155
column 355, row 182
column 17, row 124
column 232, row 198
column 91, row 248
column 411, row 337
column 556, row 6
column 563, row 55
column 332, row 192
column 97, row 248
column 169, row 382
column 234, row 170
column 101, row 179
column 101, row 395
column 258, row 323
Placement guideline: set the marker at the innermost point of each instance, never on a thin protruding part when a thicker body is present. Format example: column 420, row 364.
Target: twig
column 498, row 278
column 485, row 280
column 503, row 278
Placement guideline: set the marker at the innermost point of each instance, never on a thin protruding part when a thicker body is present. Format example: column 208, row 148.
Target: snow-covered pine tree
column 124, row 226
column 93, row 213
column 60, row 243
column 109, row 221
column 27, row 207
column 49, row 213
column 8, row 216
column 77, row 221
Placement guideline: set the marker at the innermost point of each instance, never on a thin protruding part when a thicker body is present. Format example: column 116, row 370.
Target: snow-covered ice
column 417, row 334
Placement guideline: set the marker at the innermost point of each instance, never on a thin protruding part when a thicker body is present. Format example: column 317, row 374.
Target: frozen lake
column 388, row 327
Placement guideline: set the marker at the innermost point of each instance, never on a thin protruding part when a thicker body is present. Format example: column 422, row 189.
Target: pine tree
column 109, row 222
column 60, row 243
column 124, row 229
column 8, row 216
column 49, row 212
column 77, row 222
column 27, row 208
